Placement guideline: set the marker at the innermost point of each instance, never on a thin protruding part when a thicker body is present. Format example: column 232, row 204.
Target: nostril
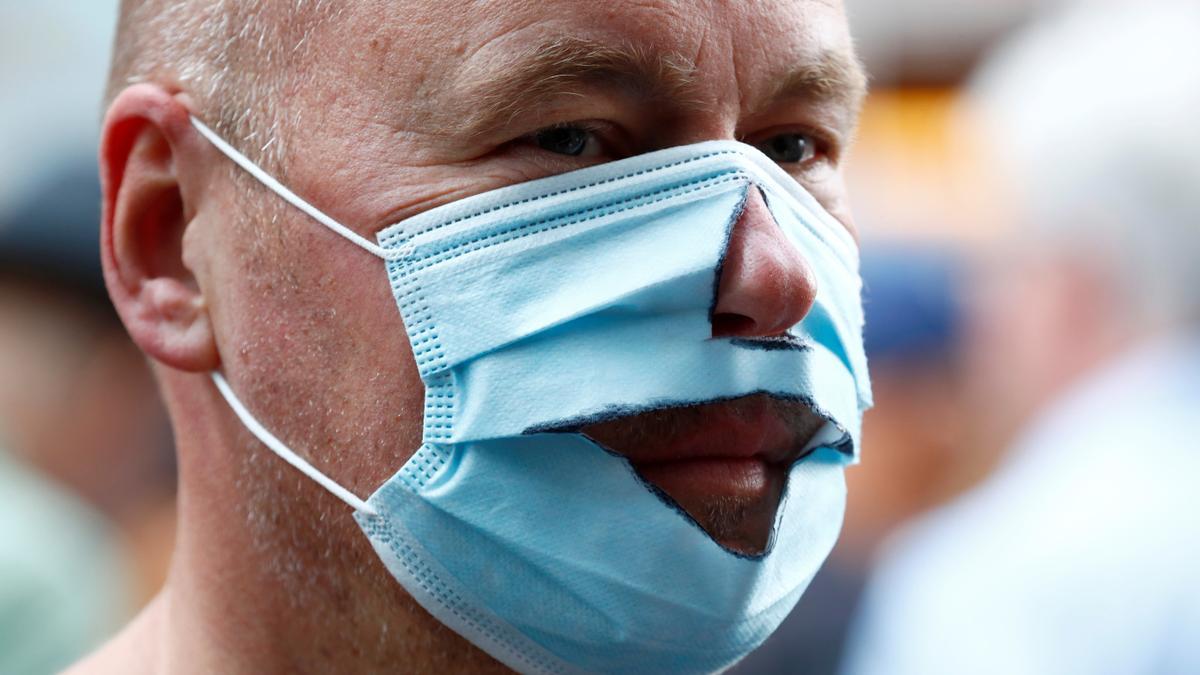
column 764, row 284
column 728, row 324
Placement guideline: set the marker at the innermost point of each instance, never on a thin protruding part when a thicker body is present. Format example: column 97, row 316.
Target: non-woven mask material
column 537, row 308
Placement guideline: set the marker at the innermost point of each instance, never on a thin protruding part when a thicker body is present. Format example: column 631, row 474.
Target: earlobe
column 146, row 214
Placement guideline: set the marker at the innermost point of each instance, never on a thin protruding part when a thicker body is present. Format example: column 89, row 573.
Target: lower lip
column 729, row 477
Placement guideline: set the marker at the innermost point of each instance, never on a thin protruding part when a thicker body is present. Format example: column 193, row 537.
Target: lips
column 725, row 463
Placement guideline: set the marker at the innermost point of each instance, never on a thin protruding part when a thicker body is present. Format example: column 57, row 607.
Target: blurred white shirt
column 1079, row 556
column 63, row 584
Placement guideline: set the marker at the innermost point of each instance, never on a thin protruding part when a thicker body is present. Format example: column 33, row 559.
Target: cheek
column 832, row 194
column 316, row 345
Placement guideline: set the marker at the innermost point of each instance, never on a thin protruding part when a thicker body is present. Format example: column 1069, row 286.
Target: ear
column 146, row 141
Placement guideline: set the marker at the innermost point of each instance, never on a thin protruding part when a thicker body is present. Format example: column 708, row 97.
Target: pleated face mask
column 537, row 309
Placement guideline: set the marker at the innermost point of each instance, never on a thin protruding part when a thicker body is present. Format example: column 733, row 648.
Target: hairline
column 228, row 55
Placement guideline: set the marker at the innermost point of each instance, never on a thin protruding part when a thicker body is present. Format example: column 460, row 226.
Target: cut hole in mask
column 499, row 342
column 723, row 463
column 763, row 284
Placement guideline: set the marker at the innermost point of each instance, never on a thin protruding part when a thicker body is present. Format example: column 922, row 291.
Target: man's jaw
column 724, row 463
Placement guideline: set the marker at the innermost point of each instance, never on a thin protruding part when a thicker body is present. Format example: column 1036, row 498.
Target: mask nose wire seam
column 268, row 439
column 290, row 197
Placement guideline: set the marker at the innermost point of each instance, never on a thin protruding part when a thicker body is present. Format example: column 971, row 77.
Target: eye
column 789, row 148
column 573, row 140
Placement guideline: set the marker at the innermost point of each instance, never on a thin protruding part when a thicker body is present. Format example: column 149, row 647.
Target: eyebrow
column 830, row 76
column 568, row 66
column 564, row 67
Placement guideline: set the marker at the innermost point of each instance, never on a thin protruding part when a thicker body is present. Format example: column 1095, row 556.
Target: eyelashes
column 570, row 139
column 796, row 149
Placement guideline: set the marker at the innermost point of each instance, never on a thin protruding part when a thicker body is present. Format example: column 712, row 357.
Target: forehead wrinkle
column 566, row 67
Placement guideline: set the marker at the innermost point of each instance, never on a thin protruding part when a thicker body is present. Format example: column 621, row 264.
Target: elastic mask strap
column 268, row 439
column 279, row 189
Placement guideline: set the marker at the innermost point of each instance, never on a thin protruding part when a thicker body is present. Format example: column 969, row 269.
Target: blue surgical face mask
column 578, row 297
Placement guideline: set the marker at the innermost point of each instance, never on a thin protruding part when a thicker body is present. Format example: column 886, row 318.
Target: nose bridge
column 766, row 284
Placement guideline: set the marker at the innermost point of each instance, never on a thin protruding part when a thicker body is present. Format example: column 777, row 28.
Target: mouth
column 724, row 463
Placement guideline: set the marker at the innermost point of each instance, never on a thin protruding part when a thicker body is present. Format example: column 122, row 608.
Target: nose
column 766, row 285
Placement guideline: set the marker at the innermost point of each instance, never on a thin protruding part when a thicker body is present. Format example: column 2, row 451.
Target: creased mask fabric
column 535, row 308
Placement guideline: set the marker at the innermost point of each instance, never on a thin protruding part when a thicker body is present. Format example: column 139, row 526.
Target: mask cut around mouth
column 724, row 464
column 535, row 308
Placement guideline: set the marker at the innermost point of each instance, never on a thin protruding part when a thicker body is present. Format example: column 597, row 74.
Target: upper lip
column 752, row 427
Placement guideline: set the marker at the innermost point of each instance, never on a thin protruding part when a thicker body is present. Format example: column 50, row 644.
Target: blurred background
column 1026, row 181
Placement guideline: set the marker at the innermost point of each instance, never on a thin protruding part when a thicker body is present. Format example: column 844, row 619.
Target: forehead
column 698, row 28
column 683, row 24
column 415, row 47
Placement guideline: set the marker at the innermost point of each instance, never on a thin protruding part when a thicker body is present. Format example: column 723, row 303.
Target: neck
column 271, row 573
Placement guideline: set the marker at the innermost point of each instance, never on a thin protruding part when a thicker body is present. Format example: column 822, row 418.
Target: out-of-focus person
column 77, row 400
column 1081, row 552
column 86, row 470
column 63, row 577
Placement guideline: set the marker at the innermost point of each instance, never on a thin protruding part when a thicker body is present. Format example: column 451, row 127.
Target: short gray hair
column 1094, row 113
column 230, row 55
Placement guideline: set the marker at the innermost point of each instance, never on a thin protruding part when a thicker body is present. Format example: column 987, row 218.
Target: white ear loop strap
column 279, row 189
column 285, row 452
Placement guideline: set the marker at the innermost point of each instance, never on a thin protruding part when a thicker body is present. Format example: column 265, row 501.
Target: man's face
column 411, row 108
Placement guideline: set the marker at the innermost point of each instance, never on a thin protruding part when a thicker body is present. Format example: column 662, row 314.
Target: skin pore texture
column 393, row 108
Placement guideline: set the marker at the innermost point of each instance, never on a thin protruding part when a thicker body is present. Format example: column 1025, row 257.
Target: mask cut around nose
column 536, row 308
